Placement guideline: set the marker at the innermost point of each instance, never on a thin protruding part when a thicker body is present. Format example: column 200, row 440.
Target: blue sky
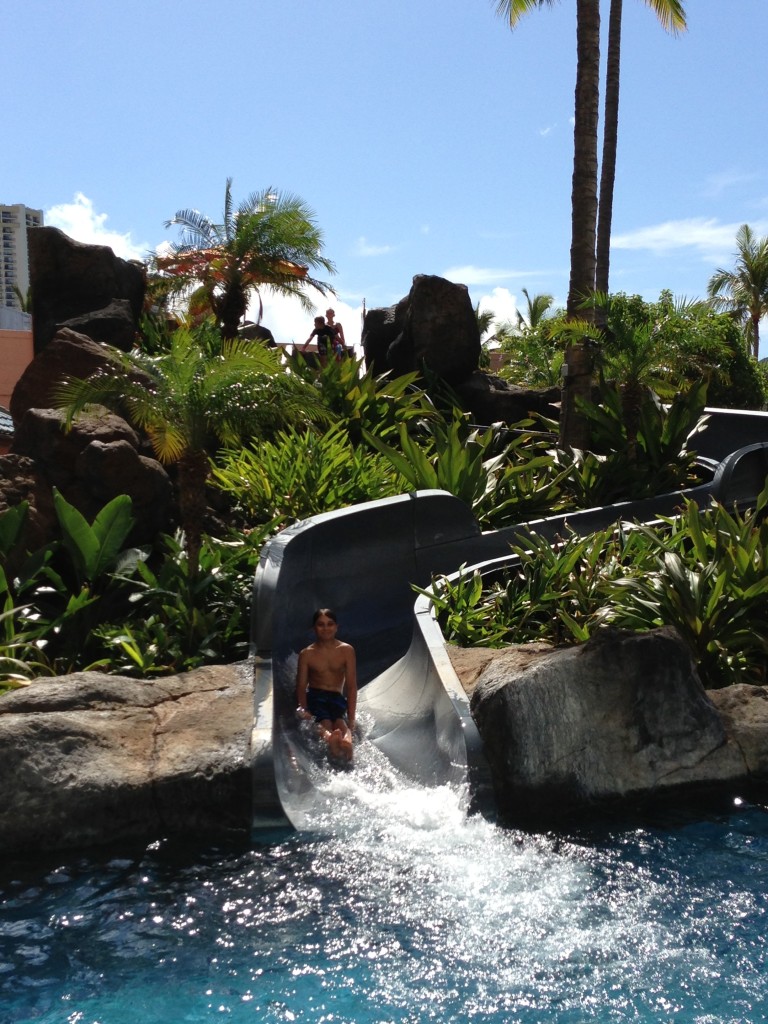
column 426, row 136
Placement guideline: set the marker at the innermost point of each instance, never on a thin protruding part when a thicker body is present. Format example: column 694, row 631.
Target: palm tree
column 578, row 372
column 191, row 396
column 671, row 14
column 270, row 240
column 744, row 290
column 24, row 301
column 536, row 312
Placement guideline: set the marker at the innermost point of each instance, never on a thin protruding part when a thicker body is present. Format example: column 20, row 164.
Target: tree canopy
column 270, row 240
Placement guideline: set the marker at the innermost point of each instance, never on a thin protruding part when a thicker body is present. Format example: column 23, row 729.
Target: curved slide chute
column 362, row 561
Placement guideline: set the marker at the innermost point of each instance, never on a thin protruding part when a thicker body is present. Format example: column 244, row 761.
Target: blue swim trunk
column 326, row 704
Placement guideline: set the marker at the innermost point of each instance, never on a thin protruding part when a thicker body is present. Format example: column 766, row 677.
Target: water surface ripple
column 398, row 909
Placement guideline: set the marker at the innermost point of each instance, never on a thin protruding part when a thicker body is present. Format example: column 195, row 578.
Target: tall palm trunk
column 610, row 139
column 755, row 317
column 574, row 430
column 584, row 182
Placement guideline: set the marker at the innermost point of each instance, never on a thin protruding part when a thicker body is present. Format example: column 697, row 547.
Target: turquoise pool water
column 398, row 909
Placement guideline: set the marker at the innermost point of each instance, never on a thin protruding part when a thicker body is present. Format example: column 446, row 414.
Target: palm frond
column 513, row 10
column 670, row 13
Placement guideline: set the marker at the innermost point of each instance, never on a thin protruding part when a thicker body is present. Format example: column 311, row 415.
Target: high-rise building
column 14, row 254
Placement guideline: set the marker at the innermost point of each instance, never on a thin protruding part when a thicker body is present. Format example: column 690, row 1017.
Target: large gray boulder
column 744, row 711
column 433, row 326
column 620, row 717
column 91, row 759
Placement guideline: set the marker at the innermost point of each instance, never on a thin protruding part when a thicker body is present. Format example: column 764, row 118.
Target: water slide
column 362, row 561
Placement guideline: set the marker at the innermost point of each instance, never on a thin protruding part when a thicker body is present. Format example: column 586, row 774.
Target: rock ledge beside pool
column 89, row 759
column 620, row 719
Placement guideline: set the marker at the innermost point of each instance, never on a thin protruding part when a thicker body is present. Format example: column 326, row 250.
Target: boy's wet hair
column 329, row 612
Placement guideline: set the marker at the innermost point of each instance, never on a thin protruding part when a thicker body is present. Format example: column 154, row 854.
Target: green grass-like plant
column 704, row 573
column 302, row 473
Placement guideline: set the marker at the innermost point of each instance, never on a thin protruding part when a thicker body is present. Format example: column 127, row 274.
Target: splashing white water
column 451, row 910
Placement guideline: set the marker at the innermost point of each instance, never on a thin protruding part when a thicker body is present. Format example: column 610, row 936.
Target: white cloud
column 716, row 184
column 364, row 248
column 288, row 322
column 470, row 275
column 502, row 303
column 544, row 132
column 713, row 241
column 81, row 222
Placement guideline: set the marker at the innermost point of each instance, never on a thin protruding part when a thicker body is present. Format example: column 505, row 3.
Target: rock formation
column 67, row 354
column 491, row 399
column 433, row 326
column 99, row 458
column 70, row 279
column 91, row 759
column 622, row 716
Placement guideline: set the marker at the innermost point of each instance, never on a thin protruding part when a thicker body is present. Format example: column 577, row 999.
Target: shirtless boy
column 326, row 685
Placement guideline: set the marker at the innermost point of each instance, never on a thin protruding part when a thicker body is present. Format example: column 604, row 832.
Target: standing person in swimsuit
column 339, row 344
column 326, row 685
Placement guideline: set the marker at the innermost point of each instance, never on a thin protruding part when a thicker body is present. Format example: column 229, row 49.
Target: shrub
column 705, row 573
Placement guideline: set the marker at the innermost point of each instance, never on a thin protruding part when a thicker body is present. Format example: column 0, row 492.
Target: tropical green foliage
column 86, row 601
column 658, row 455
column 54, row 599
column 503, row 477
column 19, row 634
column 744, row 290
column 199, row 391
column 663, row 346
column 301, row 473
column 463, row 610
column 532, row 353
column 179, row 621
column 705, row 573
column 552, row 593
column 193, row 395
column 271, row 240
column 686, row 342
column 362, row 401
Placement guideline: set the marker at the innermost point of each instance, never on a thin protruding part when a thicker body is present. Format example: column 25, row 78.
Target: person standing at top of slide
column 339, row 343
column 326, row 337
column 326, row 685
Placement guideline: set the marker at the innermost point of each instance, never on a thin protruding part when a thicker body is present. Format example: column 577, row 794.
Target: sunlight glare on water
column 397, row 908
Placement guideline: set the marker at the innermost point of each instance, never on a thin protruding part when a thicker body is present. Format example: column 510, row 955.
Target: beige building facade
column 14, row 253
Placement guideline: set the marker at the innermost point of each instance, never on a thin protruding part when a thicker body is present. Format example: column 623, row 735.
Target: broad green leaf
column 78, row 537
column 11, row 524
column 110, row 528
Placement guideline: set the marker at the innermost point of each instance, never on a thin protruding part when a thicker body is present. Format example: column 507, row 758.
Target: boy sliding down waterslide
column 326, row 685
